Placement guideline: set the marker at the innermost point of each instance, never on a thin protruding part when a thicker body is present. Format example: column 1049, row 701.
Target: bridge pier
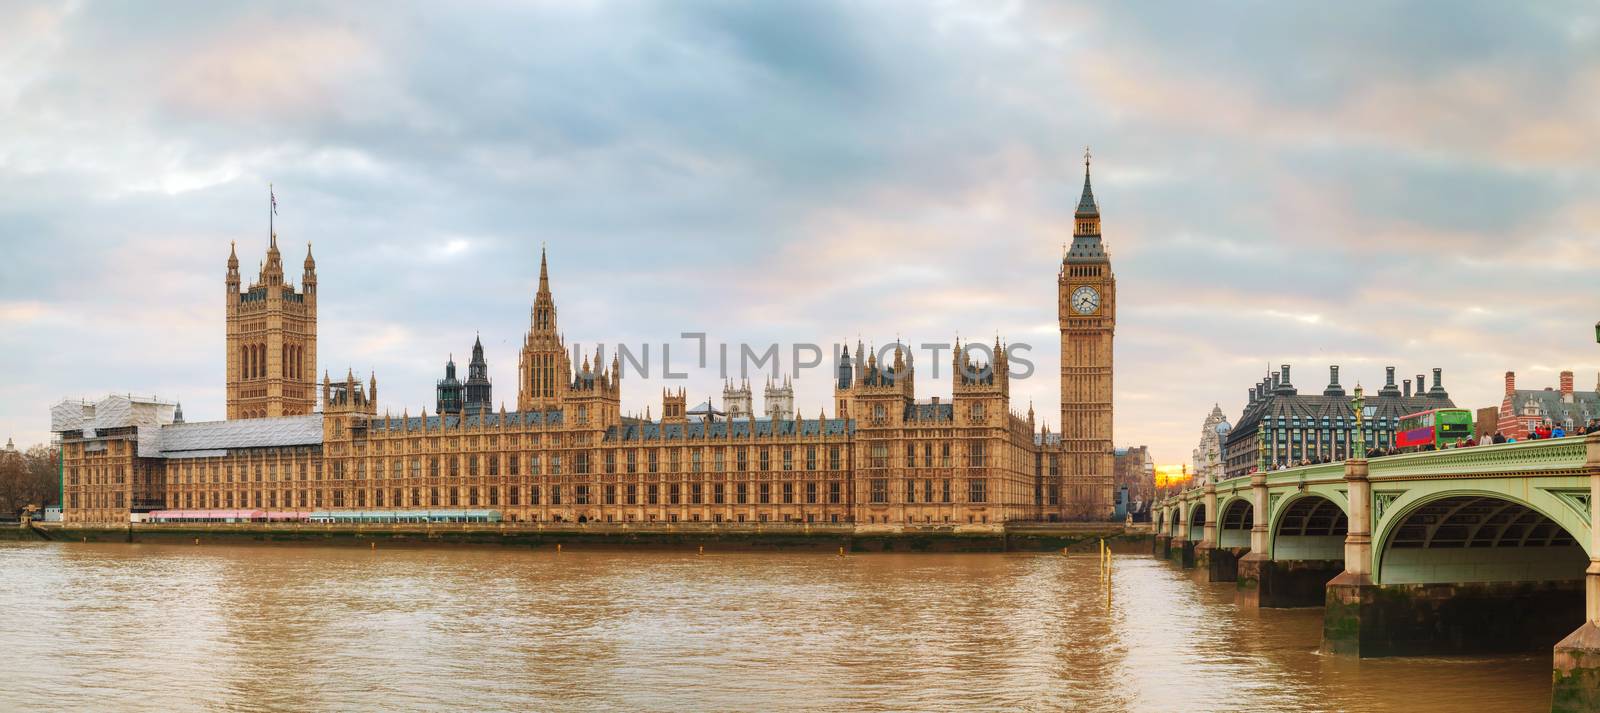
column 1206, row 553
column 1575, row 683
column 1250, row 570
column 1350, row 618
column 1266, row 584
column 1182, row 552
column 1182, row 549
column 1370, row 620
column 1222, row 563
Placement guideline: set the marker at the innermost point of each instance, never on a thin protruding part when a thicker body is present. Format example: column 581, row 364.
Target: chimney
column 1389, row 389
column 1408, row 388
column 1511, row 383
column 1252, row 400
column 1422, row 385
column 1566, row 387
column 1334, row 389
column 1438, row 384
column 1275, row 381
column 1286, row 381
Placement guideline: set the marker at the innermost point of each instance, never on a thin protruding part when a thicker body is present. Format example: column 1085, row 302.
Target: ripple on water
column 148, row 627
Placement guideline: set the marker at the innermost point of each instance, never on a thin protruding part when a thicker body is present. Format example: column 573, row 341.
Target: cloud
column 1279, row 184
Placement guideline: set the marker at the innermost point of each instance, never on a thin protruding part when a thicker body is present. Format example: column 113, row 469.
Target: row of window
column 786, row 493
column 928, row 491
column 975, row 455
column 536, row 464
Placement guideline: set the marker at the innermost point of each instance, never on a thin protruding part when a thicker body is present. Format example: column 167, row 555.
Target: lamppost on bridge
column 1261, row 446
column 1358, row 405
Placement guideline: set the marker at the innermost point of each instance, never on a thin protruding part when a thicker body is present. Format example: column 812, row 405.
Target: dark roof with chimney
column 1548, row 405
column 1282, row 401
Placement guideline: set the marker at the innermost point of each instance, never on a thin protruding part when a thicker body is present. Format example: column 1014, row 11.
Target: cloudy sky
column 1281, row 183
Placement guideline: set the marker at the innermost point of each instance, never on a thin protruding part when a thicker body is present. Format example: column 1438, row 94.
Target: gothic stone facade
column 272, row 339
column 568, row 454
column 1086, row 307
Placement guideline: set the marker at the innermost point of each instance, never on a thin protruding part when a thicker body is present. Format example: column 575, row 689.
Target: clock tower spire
column 1087, row 308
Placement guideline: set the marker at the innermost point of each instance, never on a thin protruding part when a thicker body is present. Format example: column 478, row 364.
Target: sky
column 1280, row 183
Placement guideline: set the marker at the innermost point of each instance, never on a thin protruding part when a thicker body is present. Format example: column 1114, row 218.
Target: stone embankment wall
column 1077, row 537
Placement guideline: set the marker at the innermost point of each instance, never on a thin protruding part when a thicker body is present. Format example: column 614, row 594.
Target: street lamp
column 1261, row 445
column 1358, row 406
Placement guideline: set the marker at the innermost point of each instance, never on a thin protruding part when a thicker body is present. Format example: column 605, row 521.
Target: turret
column 778, row 399
column 477, row 390
column 736, row 400
column 308, row 279
column 1002, row 368
column 978, row 391
column 447, row 391
column 232, row 279
column 843, row 387
column 844, row 375
column 674, row 407
column 272, row 269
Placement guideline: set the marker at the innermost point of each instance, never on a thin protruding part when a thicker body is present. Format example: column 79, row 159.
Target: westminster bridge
column 1460, row 551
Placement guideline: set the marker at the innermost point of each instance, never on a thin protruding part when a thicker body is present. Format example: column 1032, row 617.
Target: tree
column 28, row 477
column 44, row 478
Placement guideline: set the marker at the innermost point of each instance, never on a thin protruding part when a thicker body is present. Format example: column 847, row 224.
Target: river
column 169, row 627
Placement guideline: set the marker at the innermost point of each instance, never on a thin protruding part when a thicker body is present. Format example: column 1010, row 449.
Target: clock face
column 1085, row 300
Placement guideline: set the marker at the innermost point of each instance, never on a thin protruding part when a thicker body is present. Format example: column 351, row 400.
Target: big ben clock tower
column 1087, row 306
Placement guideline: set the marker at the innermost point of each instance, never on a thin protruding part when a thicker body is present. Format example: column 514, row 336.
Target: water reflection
column 150, row 627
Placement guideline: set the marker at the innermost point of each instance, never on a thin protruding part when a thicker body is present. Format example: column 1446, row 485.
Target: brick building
column 1522, row 409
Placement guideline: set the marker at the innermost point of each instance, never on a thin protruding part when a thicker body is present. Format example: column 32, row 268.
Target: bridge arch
column 1197, row 521
column 1234, row 523
column 1309, row 526
column 1471, row 535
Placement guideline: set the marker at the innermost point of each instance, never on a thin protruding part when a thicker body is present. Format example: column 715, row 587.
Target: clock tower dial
column 1085, row 300
column 1088, row 315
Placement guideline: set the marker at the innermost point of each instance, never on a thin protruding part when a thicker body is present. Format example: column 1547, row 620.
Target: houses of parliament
column 569, row 454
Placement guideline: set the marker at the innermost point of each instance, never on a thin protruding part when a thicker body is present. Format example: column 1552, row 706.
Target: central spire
column 544, row 274
column 1086, row 205
column 1086, row 245
column 544, row 306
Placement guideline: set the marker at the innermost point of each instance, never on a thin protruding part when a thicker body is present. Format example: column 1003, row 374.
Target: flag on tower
column 274, row 198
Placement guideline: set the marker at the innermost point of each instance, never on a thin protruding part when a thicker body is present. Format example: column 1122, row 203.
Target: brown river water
column 167, row 627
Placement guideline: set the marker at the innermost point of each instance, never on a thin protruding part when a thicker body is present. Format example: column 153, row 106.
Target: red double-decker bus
column 1434, row 428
